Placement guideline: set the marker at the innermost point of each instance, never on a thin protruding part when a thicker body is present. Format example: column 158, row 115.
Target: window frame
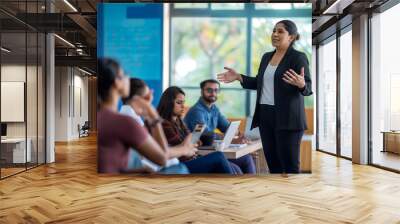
column 334, row 37
column 248, row 12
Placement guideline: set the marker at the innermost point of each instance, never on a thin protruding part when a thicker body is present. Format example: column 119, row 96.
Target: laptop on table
column 229, row 135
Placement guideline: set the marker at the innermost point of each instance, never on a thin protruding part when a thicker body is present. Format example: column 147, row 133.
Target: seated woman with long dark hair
column 171, row 108
column 118, row 133
column 138, row 106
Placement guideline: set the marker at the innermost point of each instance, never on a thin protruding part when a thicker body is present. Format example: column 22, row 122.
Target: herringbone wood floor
column 70, row 191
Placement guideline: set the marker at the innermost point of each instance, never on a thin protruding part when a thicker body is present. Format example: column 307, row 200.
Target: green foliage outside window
column 202, row 46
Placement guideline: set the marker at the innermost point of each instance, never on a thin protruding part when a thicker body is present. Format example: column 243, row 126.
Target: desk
column 235, row 153
column 256, row 149
column 13, row 150
column 391, row 141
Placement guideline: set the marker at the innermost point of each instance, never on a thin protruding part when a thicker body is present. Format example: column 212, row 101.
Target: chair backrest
column 310, row 121
column 86, row 125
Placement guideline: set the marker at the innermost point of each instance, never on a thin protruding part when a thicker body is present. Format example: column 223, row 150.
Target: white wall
column 71, row 102
column 33, row 126
column 80, row 110
column 61, row 103
column 12, row 73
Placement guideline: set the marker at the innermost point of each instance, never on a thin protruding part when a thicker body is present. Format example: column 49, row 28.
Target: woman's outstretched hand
column 295, row 79
column 229, row 76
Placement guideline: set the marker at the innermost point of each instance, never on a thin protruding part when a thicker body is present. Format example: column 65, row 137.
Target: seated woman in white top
column 138, row 88
column 138, row 105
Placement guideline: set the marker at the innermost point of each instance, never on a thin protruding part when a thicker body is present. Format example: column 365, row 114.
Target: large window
column 201, row 47
column 205, row 37
column 346, row 94
column 327, row 96
column 385, row 89
column 334, row 106
column 261, row 38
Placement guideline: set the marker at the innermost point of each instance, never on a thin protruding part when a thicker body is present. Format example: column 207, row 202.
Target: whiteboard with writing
column 12, row 101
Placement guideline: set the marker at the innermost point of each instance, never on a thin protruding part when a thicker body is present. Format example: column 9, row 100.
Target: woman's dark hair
column 291, row 27
column 107, row 73
column 137, row 87
column 166, row 106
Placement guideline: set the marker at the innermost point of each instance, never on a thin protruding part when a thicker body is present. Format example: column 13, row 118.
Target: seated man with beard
column 206, row 112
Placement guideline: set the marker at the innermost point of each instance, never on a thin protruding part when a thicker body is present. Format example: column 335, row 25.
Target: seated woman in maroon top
column 171, row 108
column 118, row 133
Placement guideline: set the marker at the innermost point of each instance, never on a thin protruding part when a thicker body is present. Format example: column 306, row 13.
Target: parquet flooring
column 71, row 191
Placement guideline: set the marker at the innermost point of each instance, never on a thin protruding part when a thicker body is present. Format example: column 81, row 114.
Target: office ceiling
column 72, row 20
column 330, row 15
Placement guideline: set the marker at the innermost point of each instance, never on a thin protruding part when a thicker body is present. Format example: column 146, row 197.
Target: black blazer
column 289, row 99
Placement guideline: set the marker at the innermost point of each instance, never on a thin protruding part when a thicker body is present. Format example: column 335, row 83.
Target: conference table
column 254, row 148
column 236, row 152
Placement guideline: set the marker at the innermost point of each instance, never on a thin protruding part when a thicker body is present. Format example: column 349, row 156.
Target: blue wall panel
column 132, row 33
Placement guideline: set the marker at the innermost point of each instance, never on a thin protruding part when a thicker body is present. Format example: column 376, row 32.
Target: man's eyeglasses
column 211, row 90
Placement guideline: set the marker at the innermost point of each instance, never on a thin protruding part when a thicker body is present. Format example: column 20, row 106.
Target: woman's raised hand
column 143, row 108
column 229, row 76
column 295, row 79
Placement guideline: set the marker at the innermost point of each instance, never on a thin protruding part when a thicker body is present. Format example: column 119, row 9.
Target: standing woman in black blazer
column 282, row 81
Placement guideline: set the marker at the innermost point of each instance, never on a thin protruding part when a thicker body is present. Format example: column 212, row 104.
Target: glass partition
column 22, row 88
column 385, row 89
column 346, row 94
column 327, row 97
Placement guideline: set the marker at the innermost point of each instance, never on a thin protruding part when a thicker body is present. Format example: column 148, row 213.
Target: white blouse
column 267, row 92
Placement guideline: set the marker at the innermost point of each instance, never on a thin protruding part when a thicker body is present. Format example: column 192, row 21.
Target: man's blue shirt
column 201, row 113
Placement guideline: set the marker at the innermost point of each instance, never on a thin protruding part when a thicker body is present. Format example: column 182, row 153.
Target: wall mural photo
column 204, row 88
